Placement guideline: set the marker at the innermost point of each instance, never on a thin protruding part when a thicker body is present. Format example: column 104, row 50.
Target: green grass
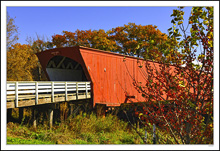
column 82, row 129
column 13, row 140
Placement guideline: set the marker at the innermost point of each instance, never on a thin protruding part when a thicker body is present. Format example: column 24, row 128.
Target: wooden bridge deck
column 21, row 94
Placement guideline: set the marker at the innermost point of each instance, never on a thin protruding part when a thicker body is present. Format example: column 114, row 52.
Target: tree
column 59, row 40
column 12, row 31
column 21, row 63
column 143, row 41
column 139, row 40
column 97, row 39
column 179, row 96
column 41, row 44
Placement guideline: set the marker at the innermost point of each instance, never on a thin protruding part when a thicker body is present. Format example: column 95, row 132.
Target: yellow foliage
column 21, row 61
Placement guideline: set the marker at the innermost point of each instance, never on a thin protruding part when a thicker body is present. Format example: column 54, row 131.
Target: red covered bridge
column 111, row 74
column 100, row 77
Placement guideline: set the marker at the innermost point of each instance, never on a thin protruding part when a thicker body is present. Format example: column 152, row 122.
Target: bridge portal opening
column 61, row 68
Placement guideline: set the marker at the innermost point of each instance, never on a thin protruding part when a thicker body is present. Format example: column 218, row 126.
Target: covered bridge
column 111, row 74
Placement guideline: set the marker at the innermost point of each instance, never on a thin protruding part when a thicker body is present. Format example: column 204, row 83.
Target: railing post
column 36, row 93
column 76, row 90
column 16, row 94
column 52, row 91
column 65, row 91
column 86, row 91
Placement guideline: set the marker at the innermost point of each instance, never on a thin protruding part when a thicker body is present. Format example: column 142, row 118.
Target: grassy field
column 82, row 129
column 12, row 140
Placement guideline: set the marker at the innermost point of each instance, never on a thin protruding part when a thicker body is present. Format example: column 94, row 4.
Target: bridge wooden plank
column 46, row 100
column 23, row 97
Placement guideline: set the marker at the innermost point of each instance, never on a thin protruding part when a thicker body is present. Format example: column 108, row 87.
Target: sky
column 47, row 21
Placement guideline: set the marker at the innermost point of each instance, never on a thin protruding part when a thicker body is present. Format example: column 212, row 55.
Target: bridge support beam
column 9, row 115
column 50, row 112
column 100, row 110
column 21, row 114
column 72, row 106
column 34, row 116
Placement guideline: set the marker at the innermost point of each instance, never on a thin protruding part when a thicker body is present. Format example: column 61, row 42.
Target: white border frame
column 4, row 4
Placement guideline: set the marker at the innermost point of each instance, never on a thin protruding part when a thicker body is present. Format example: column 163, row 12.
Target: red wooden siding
column 111, row 74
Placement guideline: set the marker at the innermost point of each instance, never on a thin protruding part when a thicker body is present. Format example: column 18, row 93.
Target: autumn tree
column 69, row 39
column 97, row 39
column 38, row 45
column 100, row 40
column 12, row 31
column 139, row 40
column 135, row 40
column 21, row 62
column 179, row 96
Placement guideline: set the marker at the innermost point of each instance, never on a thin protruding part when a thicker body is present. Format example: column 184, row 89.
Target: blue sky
column 47, row 21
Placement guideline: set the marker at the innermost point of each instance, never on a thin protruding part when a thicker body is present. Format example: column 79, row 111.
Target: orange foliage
column 59, row 40
column 137, row 39
column 21, row 62
column 129, row 39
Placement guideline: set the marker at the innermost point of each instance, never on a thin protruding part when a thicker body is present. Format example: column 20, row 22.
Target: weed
column 11, row 140
column 79, row 141
column 81, row 129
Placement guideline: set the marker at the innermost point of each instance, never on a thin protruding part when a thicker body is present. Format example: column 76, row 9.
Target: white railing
column 17, row 88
